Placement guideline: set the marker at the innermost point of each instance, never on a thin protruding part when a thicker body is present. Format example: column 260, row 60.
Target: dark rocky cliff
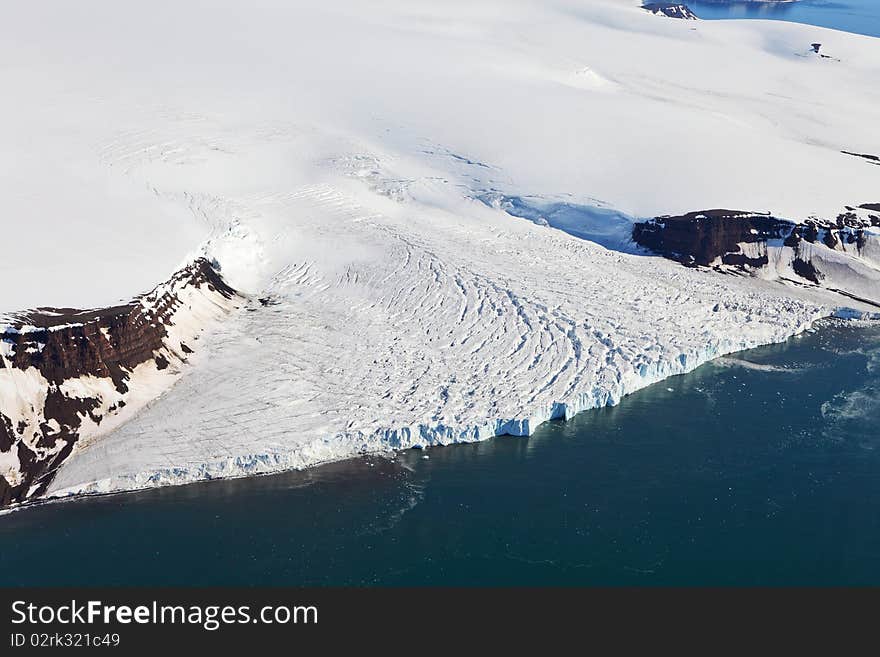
column 702, row 238
column 51, row 346
column 670, row 9
column 719, row 238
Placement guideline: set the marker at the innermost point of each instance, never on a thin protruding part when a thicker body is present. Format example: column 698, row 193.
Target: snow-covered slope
column 68, row 377
column 339, row 160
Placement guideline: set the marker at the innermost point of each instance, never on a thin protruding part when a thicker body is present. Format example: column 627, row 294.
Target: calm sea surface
column 860, row 16
column 760, row 469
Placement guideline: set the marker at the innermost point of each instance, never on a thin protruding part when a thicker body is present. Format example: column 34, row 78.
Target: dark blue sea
column 763, row 468
column 859, row 16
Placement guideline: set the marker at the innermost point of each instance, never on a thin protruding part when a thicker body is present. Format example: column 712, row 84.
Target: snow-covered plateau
column 425, row 213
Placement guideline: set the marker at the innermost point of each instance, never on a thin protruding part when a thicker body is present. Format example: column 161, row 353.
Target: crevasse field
column 345, row 164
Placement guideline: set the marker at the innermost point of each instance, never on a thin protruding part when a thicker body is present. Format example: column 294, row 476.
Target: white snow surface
column 335, row 159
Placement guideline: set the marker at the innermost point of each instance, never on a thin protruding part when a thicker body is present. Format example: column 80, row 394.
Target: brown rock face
column 699, row 238
column 57, row 345
column 712, row 236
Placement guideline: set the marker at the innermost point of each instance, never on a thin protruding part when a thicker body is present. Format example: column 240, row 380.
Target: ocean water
column 859, row 16
column 762, row 468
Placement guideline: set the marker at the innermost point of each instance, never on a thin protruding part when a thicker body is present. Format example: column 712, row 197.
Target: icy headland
column 339, row 162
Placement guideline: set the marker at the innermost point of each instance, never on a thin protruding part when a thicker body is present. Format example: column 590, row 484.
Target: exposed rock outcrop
column 842, row 254
column 867, row 157
column 670, row 9
column 701, row 238
column 66, row 374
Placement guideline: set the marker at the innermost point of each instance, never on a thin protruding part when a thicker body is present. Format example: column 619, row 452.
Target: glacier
column 350, row 167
